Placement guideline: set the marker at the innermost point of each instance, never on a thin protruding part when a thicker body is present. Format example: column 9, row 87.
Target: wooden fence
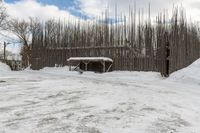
column 165, row 46
column 123, row 58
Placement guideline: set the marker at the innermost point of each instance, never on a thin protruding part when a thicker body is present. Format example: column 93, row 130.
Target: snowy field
column 54, row 100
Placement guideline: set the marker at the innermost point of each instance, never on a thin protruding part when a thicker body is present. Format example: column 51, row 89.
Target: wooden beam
column 109, row 68
column 77, row 66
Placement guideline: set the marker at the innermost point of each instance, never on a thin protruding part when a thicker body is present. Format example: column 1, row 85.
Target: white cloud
column 96, row 7
column 92, row 7
column 192, row 9
column 24, row 9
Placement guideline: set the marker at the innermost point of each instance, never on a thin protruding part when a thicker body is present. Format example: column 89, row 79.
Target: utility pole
column 4, row 51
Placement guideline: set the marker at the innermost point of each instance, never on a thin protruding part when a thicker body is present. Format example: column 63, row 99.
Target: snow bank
column 4, row 67
column 189, row 75
column 132, row 76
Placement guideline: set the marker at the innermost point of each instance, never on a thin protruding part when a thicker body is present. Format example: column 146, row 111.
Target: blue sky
column 62, row 4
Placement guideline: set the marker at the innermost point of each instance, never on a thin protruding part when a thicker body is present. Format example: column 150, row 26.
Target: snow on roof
column 90, row 59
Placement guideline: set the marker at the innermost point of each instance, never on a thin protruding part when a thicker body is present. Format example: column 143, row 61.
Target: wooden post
column 70, row 67
column 86, row 65
column 4, row 51
column 104, row 68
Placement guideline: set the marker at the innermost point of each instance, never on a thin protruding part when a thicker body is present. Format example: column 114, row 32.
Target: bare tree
column 3, row 15
column 22, row 29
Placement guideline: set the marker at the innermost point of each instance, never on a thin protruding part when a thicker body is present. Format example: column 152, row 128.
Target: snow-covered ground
column 54, row 100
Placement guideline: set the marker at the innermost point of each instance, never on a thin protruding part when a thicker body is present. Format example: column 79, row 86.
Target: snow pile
column 55, row 70
column 189, row 75
column 4, row 67
column 133, row 76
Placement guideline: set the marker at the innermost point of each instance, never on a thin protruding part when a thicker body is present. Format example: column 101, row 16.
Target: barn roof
column 90, row 59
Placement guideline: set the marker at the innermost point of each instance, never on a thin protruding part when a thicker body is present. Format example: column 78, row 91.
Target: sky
column 90, row 9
